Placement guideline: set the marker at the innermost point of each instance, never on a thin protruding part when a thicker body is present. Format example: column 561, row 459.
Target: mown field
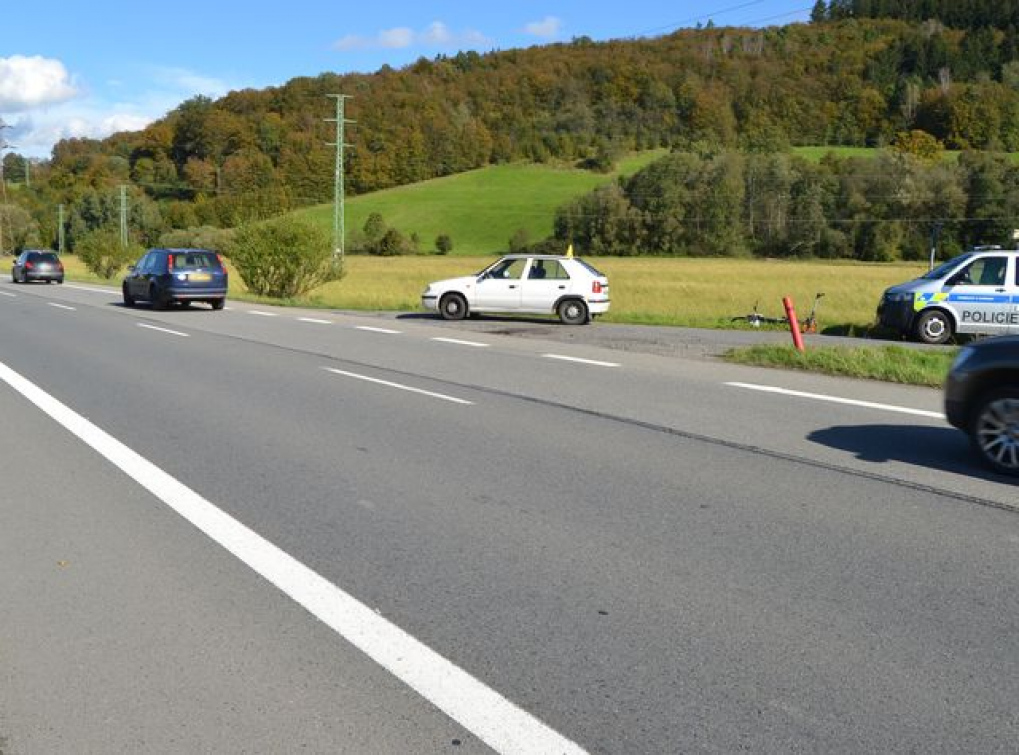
column 687, row 292
column 481, row 209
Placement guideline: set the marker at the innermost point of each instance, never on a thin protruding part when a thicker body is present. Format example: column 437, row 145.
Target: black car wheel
column 453, row 307
column 933, row 326
column 156, row 298
column 128, row 299
column 573, row 312
column 995, row 430
column 218, row 303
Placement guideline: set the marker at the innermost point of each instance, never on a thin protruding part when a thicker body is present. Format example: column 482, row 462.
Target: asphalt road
column 276, row 530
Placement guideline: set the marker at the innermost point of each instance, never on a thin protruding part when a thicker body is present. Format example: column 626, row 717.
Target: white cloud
column 190, row 83
column 435, row 35
column 547, row 28
column 96, row 115
column 29, row 82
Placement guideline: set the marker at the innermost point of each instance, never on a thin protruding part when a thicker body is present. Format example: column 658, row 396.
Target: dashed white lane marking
column 61, row 306
column 838, row 400
column 315, row 320
column 90, row 289
column 163, row 330
column 459, row 342
column 370, row 329
column 5, row 293
column 495, row 720
column 400, row 386
column 262, row 314
column 595, row 362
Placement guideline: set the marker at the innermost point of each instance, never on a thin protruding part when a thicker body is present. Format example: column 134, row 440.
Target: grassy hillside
column 480, row 210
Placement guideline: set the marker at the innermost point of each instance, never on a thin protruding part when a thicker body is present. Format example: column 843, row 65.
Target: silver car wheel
column 996, row 431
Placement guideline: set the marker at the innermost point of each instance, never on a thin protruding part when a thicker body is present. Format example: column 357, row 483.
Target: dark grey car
column 165, row 276
column 982, row 399
column 37, row 265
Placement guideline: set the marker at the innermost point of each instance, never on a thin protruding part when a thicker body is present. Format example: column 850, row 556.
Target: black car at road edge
column 982, row 399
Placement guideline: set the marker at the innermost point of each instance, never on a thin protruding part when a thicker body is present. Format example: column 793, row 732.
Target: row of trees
column 737, row 204
column 961, row 14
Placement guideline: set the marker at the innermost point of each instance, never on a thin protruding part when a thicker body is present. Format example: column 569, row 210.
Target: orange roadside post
column 794, row 324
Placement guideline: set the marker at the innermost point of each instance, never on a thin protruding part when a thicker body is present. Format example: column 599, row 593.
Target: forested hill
column 834, row 82
column 959, row 14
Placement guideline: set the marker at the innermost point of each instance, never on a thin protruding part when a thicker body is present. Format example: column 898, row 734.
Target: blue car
column 168, row 276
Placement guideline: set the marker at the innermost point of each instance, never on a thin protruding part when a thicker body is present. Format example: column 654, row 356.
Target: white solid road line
column 61, row 306
column 400, row 386
column 460, row 342
column 495, row 720
column 370, row 329
column 838, row 400
column 163, row 330
column 595, row 362
column 315, row 320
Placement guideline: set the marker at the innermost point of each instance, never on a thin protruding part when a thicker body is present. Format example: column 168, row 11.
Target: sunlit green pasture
column 481, row 209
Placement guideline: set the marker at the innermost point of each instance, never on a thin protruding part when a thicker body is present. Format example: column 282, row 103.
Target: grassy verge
column 891, row 364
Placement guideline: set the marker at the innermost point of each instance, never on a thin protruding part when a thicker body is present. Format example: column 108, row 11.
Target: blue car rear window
column 195, row 261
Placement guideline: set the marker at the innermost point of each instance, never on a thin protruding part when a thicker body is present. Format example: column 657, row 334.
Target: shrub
column 443, row 243
column 283, row 258
column 103, row 254
column 391, row 244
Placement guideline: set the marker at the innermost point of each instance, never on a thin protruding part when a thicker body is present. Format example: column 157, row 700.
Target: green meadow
column 481, row 209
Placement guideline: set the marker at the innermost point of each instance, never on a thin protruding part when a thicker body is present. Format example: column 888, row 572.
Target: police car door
column 982, row 297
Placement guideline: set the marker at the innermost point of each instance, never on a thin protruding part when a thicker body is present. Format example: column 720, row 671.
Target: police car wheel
column 995, row 430
column 933, row 327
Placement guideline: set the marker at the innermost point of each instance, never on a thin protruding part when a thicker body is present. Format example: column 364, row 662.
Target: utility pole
column 339, row 211
column 3, row 186
column 60, row 229
column 123, row 216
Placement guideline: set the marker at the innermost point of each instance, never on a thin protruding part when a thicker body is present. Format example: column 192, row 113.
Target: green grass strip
column 894, row 364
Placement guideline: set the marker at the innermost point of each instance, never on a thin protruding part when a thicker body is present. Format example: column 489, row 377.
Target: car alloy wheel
column 996, row 430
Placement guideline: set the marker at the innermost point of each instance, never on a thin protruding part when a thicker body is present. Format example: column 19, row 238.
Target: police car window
column 986, row 271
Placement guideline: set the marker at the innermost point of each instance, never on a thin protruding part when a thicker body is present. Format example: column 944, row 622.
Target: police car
column 976, row 292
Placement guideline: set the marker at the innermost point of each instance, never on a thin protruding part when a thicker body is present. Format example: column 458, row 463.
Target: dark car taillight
column 29, row 265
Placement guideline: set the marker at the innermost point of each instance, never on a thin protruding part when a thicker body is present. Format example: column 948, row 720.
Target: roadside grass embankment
column 891, row 364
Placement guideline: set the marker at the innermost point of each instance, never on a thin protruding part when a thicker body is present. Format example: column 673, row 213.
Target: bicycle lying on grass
column 756, row 319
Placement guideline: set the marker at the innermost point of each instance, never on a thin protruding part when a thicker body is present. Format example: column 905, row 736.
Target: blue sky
column 88, row 69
